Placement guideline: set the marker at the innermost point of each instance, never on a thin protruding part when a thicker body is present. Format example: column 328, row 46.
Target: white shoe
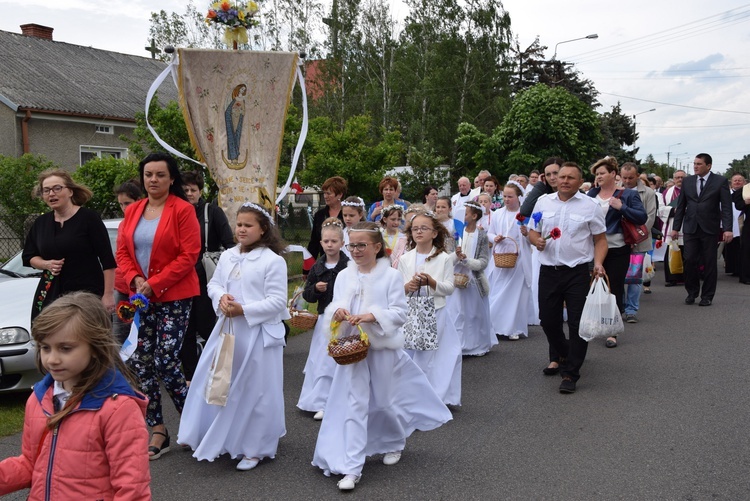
column 247, row 464
column 392, row 458
column 514, row 337
column 318, row 416
column 348, row 482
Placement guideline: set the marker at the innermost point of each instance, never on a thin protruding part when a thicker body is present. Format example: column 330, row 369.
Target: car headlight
column 13, row 335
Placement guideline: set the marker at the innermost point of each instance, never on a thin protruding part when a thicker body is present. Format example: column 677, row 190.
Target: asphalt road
column 662, row 416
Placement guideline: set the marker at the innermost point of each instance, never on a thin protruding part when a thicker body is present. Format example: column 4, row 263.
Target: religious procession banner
column 235, row 105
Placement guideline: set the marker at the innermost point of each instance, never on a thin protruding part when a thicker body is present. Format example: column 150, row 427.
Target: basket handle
column 335, row 327
column 506, row 238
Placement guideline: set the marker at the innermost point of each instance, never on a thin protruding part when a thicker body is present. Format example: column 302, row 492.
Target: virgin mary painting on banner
column 235, row 105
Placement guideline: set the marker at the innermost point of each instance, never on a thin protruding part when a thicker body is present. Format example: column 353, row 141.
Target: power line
column 688, row 30
column 677, row 105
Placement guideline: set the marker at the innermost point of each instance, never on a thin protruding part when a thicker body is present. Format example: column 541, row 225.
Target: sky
column 687, row 60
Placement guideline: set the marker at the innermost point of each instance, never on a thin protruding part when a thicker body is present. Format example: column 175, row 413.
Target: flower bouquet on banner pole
column 235, row 104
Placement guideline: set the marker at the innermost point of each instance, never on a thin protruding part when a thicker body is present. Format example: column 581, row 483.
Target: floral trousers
column 157, row 357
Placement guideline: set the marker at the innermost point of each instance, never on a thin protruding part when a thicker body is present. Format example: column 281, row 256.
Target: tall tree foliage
column 542, row 122
column 618, row 131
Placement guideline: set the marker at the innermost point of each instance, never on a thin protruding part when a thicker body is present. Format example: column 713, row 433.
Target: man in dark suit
column 703, row 208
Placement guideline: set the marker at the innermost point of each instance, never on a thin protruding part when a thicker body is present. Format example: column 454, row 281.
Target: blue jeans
column 632, row 297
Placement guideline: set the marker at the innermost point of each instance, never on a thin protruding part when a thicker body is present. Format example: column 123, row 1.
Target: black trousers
column 558, row 285
column 732, row 257
column 700, row 248
column 616, row 265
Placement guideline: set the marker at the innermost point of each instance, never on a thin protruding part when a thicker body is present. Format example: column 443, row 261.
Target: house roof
column 44, row 75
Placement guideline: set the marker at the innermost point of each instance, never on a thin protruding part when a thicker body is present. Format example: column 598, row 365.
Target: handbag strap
column 205, row 226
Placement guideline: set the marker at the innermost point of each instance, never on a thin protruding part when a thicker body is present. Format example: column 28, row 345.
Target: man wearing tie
column 703, row 208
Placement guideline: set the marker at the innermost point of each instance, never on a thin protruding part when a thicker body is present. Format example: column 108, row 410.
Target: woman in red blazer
column 157, row 247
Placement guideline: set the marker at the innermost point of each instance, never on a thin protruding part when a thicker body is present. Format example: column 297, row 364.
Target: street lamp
column 635, row 137
column 669, row 150
column 589, row 37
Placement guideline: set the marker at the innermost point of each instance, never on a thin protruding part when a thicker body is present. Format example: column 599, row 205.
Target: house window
column 91, row 152
column 105, row 129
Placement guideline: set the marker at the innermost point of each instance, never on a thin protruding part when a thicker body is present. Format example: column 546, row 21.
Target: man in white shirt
column 465, row 193
column 564, row 274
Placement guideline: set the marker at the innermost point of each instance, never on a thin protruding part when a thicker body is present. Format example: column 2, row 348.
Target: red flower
column 210, row 137
column 519, row 217
column 659, row 243
column 555, row 233
column 211, row 14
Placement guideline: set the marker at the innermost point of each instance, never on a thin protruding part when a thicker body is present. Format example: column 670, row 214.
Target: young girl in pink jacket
column 84, row 434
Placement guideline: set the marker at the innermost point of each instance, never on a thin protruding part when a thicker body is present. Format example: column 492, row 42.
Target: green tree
column 102, row 176
column 618, row 130
column 355, row 152
column 18, row 177
column 542, row 122
column 427, row 169
column 468, row 142
column 741, row 166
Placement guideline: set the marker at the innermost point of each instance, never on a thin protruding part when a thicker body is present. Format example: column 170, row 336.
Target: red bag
column 633, row 233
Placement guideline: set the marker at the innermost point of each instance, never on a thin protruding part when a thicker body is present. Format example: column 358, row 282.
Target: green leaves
column 102, row 176
column 542, row 122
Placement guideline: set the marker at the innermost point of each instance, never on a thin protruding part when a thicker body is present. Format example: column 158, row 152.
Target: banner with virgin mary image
column 235, row 105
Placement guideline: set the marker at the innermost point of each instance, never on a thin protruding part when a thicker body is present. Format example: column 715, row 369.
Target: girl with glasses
column 376, row 403
column 428, row 270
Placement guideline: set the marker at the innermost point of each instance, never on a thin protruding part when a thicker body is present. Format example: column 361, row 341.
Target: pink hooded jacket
column 99, row 451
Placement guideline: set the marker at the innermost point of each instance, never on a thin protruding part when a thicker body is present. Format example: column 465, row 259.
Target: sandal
column 611, row 342
column 158, row 451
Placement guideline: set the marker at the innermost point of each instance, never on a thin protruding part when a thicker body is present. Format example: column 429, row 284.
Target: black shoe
column 690, row 300
column 567, row 385
column 670, row 284
column 159, row 451
column 705, row 302
column 551, row 371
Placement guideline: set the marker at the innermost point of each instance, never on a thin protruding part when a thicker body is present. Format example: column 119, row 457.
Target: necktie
column 701, row 188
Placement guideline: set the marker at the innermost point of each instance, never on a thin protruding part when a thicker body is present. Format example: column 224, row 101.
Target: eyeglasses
column 421, row 229
column 357, row 247
column 55, row 189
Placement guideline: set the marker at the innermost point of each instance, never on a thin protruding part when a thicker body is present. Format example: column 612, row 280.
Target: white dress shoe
column 392, row 458
column 247, row 464
column 514, row 337
column 318, row 416
column 348, row 482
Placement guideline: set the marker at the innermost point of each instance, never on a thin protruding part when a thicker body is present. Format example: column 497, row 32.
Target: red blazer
column 177, row 244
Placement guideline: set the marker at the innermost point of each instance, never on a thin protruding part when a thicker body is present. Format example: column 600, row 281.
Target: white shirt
column 458, row 201
column 579, row 219
column 698, row 182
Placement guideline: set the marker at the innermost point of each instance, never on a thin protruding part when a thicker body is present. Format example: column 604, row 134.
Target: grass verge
column 11, row 413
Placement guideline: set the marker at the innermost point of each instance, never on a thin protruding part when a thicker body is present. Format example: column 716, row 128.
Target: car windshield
column 15, row 268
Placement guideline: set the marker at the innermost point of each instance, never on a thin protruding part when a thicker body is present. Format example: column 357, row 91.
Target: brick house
column 68, row 102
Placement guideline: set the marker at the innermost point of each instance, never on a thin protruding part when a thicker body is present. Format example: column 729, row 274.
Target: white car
column 18, row 283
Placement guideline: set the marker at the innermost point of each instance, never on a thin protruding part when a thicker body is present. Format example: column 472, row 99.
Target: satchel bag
column 600, row 317
column 635, row 269
column 220, row 374
column 633, row 233
column 420, row 329
column 209, row 259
